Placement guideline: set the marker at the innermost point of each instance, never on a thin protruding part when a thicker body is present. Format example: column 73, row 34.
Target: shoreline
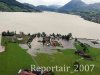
column 83, row 38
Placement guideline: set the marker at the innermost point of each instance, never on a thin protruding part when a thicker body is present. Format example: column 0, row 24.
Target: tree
column 53, row 35
column 70, row 35
column 43, row 41
column 8, row 33
column 43, row 34
column 29, row 34
column 38, row 35
column 4, row 33
column 76, row 39
column 15, row 32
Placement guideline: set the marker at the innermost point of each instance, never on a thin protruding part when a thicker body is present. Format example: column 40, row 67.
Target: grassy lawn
column 14, row 59
column 68, row 57
column 9, row 39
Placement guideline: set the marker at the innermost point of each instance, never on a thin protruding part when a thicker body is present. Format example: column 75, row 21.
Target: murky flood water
column 49, row 22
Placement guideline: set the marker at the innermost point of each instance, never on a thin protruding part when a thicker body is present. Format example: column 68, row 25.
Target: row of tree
column 8, row 33
column 66, row 37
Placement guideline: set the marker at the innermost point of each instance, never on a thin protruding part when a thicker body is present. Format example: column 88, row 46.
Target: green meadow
column 15, row 58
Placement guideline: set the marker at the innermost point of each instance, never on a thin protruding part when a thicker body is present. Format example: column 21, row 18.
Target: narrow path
column 2, row 49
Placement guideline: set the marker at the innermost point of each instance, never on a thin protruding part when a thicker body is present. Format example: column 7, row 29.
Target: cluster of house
column 51, row 41
column 29, row 72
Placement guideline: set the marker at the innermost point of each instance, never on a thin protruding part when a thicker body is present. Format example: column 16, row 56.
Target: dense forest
column 90, row 15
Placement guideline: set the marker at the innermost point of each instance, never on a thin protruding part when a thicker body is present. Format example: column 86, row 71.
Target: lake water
column 49, row 22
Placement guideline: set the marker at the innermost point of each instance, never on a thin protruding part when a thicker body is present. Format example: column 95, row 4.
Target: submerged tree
column 38, row 35
column 43, row 34
column 43, row 41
